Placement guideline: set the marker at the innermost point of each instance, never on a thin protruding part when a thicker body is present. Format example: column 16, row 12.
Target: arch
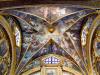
column 89, row 43
column 5, row 24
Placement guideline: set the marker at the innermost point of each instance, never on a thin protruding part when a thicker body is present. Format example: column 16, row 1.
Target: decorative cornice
column 10, row 3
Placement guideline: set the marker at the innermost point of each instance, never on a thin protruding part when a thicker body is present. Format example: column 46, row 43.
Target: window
column 51, row 60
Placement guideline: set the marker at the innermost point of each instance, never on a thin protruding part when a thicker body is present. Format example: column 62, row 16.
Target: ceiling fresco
column 29, row 33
